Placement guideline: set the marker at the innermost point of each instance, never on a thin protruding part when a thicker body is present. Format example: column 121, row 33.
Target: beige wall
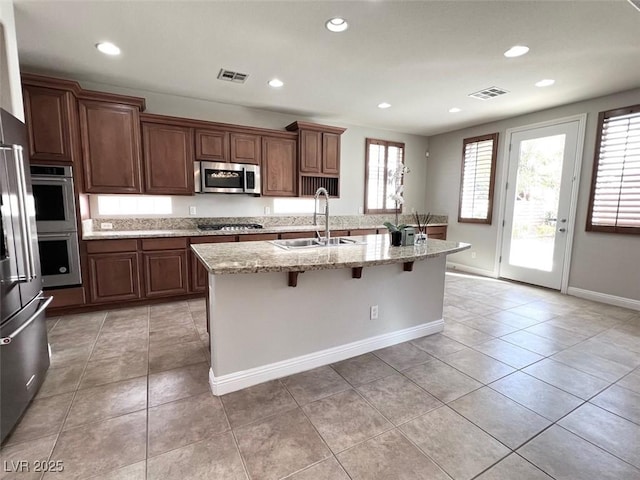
column 352, row 155
column 601, row 262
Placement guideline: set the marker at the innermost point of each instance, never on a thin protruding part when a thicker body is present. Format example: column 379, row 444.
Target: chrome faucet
column 322, row 191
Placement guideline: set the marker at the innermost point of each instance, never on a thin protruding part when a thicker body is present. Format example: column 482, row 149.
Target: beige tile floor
column 522, row 384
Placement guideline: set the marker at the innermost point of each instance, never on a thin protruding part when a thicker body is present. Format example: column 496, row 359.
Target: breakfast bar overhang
column 261, row 328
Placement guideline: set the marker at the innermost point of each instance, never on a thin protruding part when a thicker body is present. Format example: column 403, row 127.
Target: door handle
column 25, row 223
column 45, row 301
column 562, row 229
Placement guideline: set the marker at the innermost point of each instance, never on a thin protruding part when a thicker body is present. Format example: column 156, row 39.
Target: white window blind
column 477, row 179
column 382, row 159
column 615, row 193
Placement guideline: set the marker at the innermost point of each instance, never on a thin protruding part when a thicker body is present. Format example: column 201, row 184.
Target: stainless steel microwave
column 218, row 177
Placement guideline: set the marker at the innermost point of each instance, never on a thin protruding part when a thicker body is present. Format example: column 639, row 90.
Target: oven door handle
column 44, row 179
column 54, row 235
column 44, row 303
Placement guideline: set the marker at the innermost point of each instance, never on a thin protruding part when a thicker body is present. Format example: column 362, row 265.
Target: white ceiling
column 422, row 57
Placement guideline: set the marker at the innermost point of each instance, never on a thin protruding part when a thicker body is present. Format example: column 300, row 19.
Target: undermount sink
column 314, row 243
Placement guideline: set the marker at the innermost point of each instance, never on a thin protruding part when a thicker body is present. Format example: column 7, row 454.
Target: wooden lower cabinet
column 364, row 231
column 439, row 232
column 199, row 274
column 256, row 237
column 165, row 273
column 114, row 277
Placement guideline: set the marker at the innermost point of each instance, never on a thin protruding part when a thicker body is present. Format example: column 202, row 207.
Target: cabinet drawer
column 214, row 239
column 164, row 243
column 257, row 237
column 66, row 297
column 112, row 246
column 363, row 231
column 291, row 235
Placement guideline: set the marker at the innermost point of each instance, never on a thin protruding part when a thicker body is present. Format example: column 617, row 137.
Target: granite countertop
column 123, row 234
column 255, row 257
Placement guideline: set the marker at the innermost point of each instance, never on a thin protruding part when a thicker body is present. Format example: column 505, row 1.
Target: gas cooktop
column 230, row 226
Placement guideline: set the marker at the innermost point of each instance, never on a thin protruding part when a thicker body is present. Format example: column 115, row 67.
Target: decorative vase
column 396, row 238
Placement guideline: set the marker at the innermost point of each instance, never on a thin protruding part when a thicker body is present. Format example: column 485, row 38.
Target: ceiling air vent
column 231, row 76
column 488, row 93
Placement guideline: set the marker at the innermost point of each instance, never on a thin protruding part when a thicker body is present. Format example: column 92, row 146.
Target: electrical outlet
column 413, row 210
column 267, row 210
column 192, row 210
column 373, row 313
column 360, row 210
column 106, row 226
column 473, row 254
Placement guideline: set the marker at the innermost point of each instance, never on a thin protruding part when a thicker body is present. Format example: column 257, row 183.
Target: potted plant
column 397, row 189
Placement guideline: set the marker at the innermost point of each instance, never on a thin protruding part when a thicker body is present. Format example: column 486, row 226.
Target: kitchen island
column 261, row 328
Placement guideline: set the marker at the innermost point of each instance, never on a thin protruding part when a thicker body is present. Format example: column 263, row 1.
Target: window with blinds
column 477, row 179
column 614, row 204
column 382, row 159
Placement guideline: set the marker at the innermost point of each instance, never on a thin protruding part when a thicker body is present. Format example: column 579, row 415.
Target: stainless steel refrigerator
column 24, row 352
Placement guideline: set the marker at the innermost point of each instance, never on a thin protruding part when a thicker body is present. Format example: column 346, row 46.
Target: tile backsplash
column 176, row 223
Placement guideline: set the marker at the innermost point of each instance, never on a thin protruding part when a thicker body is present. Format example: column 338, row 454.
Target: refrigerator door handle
column 45, row 301
column 25, row 224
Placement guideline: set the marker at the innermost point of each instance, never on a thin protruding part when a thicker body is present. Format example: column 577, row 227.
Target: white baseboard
column 247, row 378
column 605, row 298
column 477, row 271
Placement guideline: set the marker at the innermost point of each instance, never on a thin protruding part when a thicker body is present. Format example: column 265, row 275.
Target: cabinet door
column 212, row 145
column 47, row 115
column 110, row 135
column 245, row 148
column 199, row 274
column 278, row 167
column 439, row 232
column 165, row 273
column 310, row 151
column 168, row 159
column 114, row 277
column 330, row 153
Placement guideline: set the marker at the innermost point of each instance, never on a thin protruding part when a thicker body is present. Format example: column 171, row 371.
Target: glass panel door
column 541, row 166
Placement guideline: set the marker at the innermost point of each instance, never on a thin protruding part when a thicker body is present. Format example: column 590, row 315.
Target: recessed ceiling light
column 108, row 48
column 384, row 105
column 276, row 83
column 454, row 110
column 516, row 51
column 336, row 24
column 547, row 82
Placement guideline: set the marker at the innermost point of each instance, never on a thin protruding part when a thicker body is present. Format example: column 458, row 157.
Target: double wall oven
column 56, row 224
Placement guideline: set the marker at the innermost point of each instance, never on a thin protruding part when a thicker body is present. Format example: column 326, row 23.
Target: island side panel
column 257, row 320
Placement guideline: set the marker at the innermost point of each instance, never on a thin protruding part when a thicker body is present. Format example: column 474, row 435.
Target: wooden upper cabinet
column 168, row 159
column 318, row 148
column 212, row 145
column 330, row 153
column 310, row 151
column 110, row 135
column 48, row 119
column 278, row 167
column 245, row 148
